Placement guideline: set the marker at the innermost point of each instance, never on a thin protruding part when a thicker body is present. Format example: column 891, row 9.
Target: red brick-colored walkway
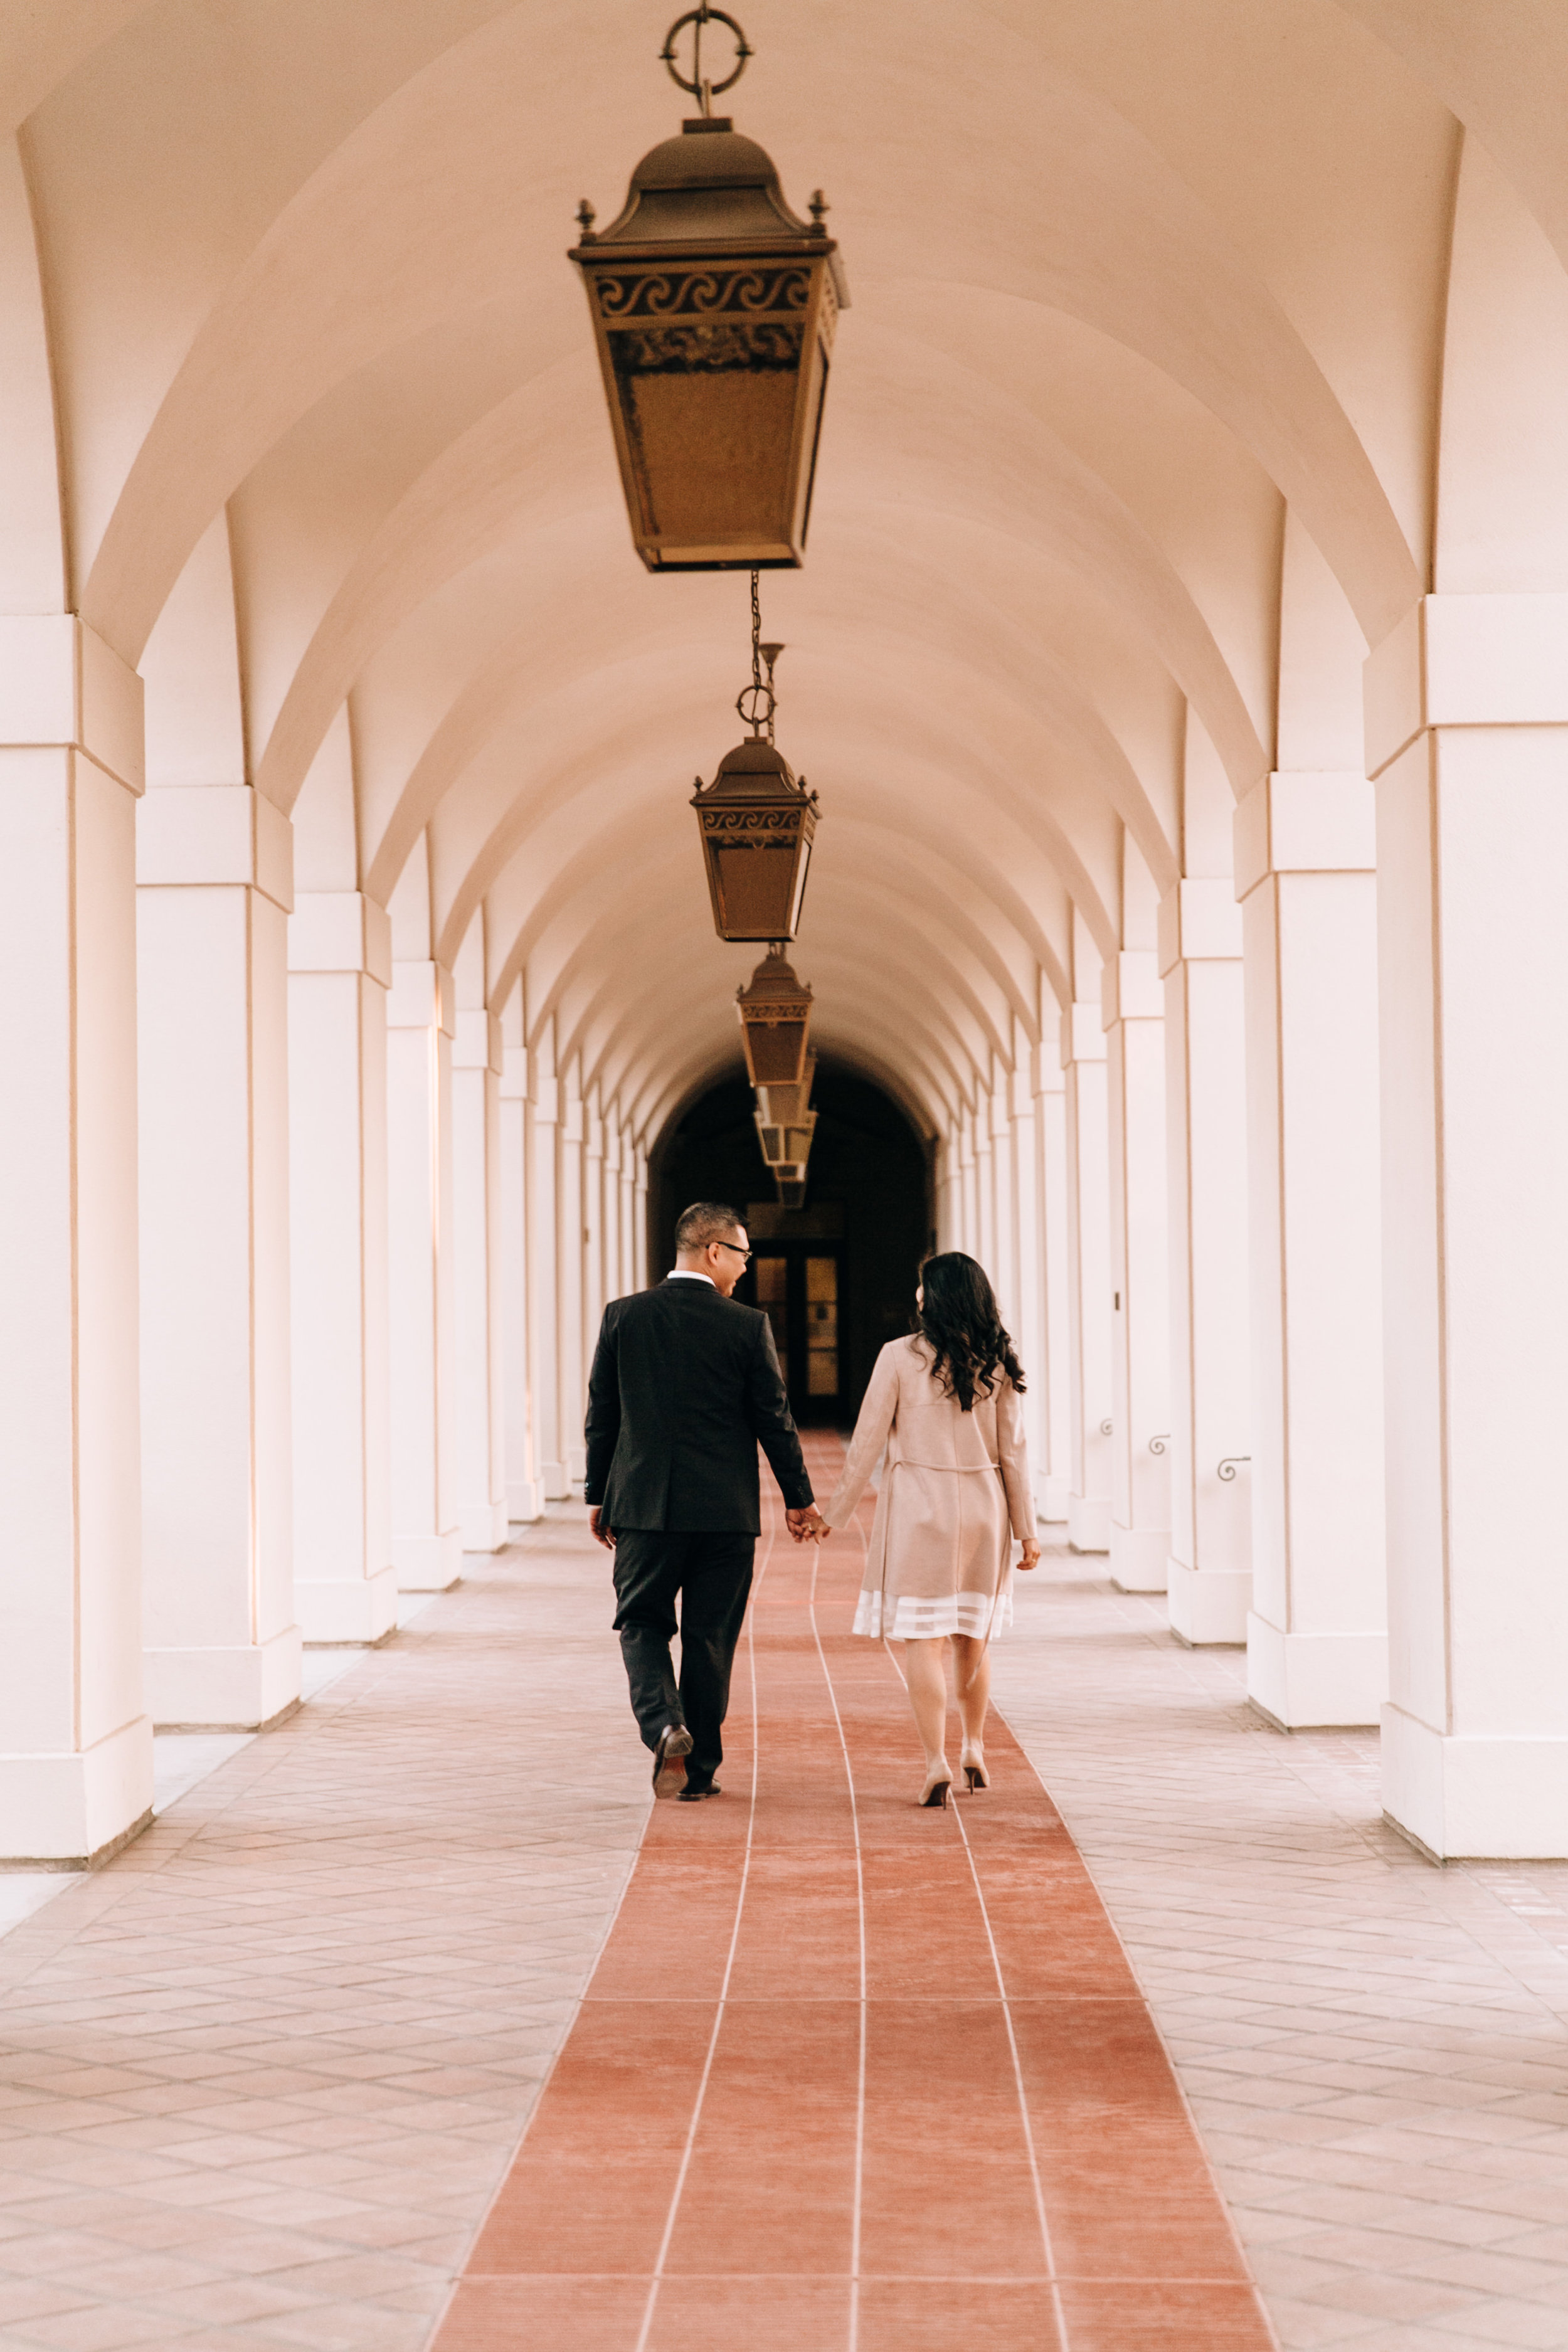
column 853, row 2074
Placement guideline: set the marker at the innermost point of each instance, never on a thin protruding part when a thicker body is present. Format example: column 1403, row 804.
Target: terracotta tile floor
column 849, row 2073
column 261, row 2080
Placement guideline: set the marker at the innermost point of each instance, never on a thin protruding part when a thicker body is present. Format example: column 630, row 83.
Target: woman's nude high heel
column 939, row 1780
column 973, row 1764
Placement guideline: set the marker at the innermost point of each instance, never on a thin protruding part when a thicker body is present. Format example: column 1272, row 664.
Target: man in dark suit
column 685, row 1386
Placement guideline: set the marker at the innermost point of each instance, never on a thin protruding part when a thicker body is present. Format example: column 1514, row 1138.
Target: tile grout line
column 658, row 2279
column 860, row 1903
column 1057, row 2310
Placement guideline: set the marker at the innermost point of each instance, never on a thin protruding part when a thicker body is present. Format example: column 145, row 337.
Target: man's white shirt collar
column 689, row 1274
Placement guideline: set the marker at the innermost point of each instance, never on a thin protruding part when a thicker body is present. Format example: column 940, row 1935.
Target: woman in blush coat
column 954, row 1492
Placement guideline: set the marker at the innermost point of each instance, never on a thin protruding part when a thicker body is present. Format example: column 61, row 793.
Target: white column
column 968, row 1185
column 1088, row 1280
column 1003, row 1191
column 1133, row 1011
column 1317, row 1650
column 983, row 1245
column 1024, row 1149
column 427, row 1543
column 340, row 969
column 524, row 1501
column 76, row 1741
column 214, row 876
column 614, row 1281
column 1210, row 1567
column 1054, row 1472
column 570, row 1225
column 479, row 1439
column 631, row 1244
column 1467, row 737
column 544, row 1322
column 593, row 1230
column 947, row 1187
column 639, row 1218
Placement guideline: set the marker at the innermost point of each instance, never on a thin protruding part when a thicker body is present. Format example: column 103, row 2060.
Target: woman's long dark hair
column 959, row 1323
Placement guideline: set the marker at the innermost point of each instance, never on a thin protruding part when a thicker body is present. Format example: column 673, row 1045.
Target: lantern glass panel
column 775, row 1051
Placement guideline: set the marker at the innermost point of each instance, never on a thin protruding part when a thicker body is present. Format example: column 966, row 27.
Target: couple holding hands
column 685, row 1386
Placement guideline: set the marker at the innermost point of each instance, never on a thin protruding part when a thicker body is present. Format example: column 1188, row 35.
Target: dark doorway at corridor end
column 837, row 1278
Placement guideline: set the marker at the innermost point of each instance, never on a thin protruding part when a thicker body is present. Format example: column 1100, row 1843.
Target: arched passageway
column 836, row 1275
column 1178, row 654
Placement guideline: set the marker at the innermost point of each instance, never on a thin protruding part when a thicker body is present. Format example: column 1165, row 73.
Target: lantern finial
column 703, row 90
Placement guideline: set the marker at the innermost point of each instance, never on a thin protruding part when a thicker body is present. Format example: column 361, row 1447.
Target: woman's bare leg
column 926, row 1676
column 971, row 1659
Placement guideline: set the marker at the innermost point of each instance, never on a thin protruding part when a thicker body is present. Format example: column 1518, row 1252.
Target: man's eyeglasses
column 743, row 1255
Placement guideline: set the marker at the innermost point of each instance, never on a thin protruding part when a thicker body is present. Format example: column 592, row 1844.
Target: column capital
column 1083, row 1036
column 340, row 930
column 545, row 1100
column 1306, row 821
column 477, row 1044
column 514, row 1074
column 1130, row 988
column 195, row 836
column 422, row 996
column 1200, row 922
column 1467, row 661
column 62, row 684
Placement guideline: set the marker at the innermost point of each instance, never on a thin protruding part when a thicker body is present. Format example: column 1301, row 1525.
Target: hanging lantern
column 775, row 1017
column 713, row 310
column 756, row 822
column 785, row 1122
column 790, row 1185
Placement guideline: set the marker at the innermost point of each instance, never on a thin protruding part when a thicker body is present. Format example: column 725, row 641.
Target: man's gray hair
column 705, row 1221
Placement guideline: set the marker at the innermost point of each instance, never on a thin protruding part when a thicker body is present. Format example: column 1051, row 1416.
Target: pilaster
column 570, row 1228
column 1210, row 1567
column 523, row 1499
column 479, row 1440
column 1316, row 1646
column 1088, row 1279
column 543, row 1324
column 1467, row 712
column 214, row 886
column 76, row 1739
column 421, row 1022
column 1053, row 1472
column 340, row 969
column 1132, row 1013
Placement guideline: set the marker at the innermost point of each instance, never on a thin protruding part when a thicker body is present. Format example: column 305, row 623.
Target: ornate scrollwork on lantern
column 776, row 1020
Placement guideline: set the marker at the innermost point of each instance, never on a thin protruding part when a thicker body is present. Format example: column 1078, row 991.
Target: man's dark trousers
column 712, row 1574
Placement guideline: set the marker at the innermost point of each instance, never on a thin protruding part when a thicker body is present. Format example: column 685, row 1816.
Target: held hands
column 1031, row 1551
column 808, row 1525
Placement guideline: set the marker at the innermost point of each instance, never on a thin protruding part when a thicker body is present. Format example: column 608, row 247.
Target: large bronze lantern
column 776, row 1020
column 757, row 823
column 714, row 310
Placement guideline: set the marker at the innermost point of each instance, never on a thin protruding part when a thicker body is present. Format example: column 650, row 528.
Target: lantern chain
column 757, row 703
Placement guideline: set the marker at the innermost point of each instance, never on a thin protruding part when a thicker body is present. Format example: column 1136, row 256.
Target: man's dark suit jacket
column 684, row 1389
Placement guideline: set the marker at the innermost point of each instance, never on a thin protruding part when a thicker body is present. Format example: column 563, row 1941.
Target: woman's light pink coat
column 954, row 1492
